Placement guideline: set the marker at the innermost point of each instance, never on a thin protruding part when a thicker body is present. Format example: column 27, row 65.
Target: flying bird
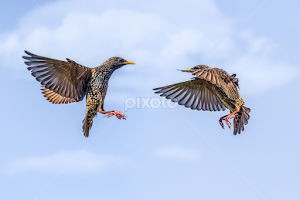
column 68, row 82
column 212, row 89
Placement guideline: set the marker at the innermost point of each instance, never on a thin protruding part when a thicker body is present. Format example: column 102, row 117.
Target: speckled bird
column 212, row 89
column 68, row 82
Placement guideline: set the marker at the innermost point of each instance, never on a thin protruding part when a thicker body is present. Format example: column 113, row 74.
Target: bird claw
column 230, row 116
column 117, row 113
column 221, row 123
column 226, row 120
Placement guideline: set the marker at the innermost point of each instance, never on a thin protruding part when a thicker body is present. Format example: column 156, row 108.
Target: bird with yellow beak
column 68, row 82
column 211, row 89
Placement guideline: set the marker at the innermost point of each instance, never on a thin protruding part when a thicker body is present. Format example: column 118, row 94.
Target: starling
column 212, row 89
column 68, row 82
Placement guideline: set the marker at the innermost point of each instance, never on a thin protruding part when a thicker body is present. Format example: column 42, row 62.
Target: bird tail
column 241, row 118
column 91, row 112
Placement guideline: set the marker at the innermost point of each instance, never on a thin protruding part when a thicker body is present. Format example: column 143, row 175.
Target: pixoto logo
column 149, row 103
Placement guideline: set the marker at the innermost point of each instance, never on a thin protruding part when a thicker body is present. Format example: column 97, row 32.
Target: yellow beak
column 187, row 70
column 128, row 62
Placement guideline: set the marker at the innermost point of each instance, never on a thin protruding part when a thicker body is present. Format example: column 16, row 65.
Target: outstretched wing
column 64, row 82
column 221, row 79
column 194, row 94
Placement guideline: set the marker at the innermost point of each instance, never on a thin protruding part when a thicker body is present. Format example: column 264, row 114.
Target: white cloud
column 85, row 162
column 158, row 41
column 178, row 153
column 263, row 73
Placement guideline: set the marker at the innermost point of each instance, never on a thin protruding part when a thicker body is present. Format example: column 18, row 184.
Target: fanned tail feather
column 241, row 119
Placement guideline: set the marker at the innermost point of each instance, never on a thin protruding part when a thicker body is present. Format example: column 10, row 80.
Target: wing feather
column 194, row 94
column 56, row 98
column 68, row 80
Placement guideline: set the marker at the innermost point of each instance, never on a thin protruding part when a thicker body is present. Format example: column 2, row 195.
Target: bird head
column 116, row 63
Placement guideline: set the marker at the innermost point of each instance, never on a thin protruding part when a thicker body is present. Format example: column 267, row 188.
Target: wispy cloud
column 178, row 153
column 149, row 38
column 86, row 163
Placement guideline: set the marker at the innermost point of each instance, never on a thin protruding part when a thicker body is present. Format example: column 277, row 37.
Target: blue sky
column 156, row 153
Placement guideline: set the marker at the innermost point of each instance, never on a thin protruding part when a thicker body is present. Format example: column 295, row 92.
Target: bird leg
column 118, row 114
column 226, row 118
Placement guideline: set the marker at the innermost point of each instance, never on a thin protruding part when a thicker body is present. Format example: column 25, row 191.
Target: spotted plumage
column 68, row 82
column 212, row 89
